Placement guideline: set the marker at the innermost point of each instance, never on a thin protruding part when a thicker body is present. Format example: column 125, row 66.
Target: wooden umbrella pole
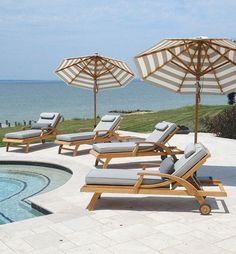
column 196, row 117
column 95, row 106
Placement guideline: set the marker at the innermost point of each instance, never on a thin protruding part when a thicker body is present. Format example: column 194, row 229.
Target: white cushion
column 47, row 115
column 161, row 126
column 189, row 150
column 108, row 118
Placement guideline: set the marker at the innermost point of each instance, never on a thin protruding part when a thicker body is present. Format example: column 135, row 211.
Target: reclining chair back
column 50, row 119
column 108, row 122
column 161, row 132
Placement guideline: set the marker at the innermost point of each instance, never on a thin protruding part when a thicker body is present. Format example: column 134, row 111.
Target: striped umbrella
column 199, row 65
column 94, row 72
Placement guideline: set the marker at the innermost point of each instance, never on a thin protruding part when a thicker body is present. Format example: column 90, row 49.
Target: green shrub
column 223, row 124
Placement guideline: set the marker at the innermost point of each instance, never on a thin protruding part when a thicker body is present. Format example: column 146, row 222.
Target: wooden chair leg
column 43, row 141
column 27, row 148
column 75, row 150
column 7, row 146
column 106, row 162
column 96, row 163
column 60, row 148
column 93, row 200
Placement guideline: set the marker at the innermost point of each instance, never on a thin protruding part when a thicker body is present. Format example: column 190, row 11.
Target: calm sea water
column 25, row 100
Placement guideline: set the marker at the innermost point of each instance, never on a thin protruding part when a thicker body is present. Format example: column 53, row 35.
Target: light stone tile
column 18, row 245
column 61, row 228
column 81, row 223
column 132, row 247
column 50, row 238
column 228, row 244
column 125, row 234
column 173, row 227
column 85, row 237
column 160, row 241
column 91, row 248
column 46, row 250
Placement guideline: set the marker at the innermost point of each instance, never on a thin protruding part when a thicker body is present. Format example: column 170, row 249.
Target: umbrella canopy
column 199, row 65
column 94, row 72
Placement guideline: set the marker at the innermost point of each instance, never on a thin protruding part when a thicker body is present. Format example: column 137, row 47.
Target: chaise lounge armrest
column 169, row 179
column 138, row 144
column 102, row 132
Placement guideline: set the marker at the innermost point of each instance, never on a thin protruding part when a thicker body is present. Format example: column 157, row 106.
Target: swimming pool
column 21, row 180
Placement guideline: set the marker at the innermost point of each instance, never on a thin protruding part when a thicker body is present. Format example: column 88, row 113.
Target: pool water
column 20, row 182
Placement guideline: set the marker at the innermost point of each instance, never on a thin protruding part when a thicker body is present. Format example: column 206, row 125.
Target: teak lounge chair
column 175, row 179
column 153, row 145
column 105, row 131
column 44, row 128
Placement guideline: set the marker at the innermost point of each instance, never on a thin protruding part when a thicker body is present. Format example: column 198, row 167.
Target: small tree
column 231, row 98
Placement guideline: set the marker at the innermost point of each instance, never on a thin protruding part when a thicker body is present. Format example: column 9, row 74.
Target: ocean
column 25, row 100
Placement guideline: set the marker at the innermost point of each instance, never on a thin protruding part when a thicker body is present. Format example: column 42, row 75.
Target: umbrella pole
column 196, row 118
column 95, row 106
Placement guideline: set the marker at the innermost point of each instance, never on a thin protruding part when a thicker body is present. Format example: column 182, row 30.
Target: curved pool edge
column 38, row 205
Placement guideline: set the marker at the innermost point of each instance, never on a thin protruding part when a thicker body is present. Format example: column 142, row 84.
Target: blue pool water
column 20, row 182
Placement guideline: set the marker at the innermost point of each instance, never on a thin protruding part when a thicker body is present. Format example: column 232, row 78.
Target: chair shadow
column 32, row 148
column 79, row 152
column 227, row 174
column 159, row 204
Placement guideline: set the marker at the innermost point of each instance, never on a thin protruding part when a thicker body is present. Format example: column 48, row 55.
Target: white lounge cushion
column 167, row 166
column 159, row 135
column 118, row 147
column 108, row 125
column 78, row 136
column 24, row 134
column 117, row 177
column 189, row 150
column 108, row 118
column 183, row 165
column 161, row 126
column 46, row 118
column 40, row 126
column 47, row 115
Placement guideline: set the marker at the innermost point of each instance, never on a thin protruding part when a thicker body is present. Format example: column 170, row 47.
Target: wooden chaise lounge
column 172, row 179
column 44, row 128
column 105, row 131
column 153, row 145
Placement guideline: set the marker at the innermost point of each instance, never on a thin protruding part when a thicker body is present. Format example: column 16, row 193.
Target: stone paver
column 126, row 223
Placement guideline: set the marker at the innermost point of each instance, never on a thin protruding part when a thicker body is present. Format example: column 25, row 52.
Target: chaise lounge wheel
column 205, row 209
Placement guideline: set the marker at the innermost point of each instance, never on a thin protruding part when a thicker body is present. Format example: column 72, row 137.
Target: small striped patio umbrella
column 199, row 65
column 94, row 72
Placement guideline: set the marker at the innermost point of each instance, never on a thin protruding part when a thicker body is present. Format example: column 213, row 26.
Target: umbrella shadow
column 160, row 204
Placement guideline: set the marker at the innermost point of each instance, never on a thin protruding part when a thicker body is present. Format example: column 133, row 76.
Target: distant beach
column 24, row 100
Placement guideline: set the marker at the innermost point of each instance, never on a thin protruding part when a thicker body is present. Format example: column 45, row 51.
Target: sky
column 36, row 35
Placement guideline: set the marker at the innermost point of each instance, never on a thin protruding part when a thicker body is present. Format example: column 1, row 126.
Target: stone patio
column 126, row 223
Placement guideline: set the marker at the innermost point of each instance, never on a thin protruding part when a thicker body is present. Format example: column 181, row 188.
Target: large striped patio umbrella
column 199, row 65
column 94, row 72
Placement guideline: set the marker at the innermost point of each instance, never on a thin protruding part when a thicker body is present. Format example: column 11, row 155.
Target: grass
column 141, row 122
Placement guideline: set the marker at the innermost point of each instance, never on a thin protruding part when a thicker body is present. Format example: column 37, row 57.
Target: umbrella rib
column 116, row 65
column 218, row 66
column 223, row 55
column 160, row 50
column 212, row 63
column 191, row 58
column 82, row 60
column 81, row 70
column 214, row 72
column 204, row 58
column 186, row 73
column 110, row 73
column 159, row 67
column 181, row 61
column 216, row 44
